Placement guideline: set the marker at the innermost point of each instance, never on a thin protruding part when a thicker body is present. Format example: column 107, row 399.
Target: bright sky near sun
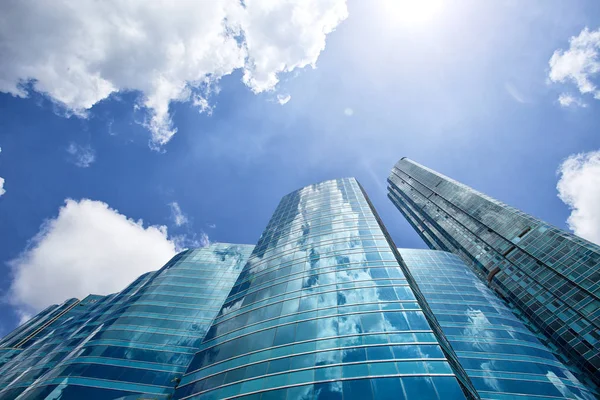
column 132, row 129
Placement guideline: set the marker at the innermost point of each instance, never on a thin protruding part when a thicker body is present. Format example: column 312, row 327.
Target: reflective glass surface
column 321, row 310
column 137, row 342
column 550, row 277
column 503, row 358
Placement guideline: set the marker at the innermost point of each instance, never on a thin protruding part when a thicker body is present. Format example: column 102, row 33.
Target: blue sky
column 465, row 87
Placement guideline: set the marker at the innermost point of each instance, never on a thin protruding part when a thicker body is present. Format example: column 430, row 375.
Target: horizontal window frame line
column 305, row 260
column 518, row 343
column 310, row 295
column 524, row 330
column 115, row 321
column 145, row 302
column 309, row 273
column 327, row 219
column 387, row 302
column 263, row 268
column 302, row 320
column 257, row 262
column 290, row 237
column 75, row 361
column 160, row 331
column 154, row 316
column 564, row 381
column 505, row 357
column 321, row 339
column 330, row 381
column 95, row 343
column 296, row 275
column 58, row 381
column 320, row 366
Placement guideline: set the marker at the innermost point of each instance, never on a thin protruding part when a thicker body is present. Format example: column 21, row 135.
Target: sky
column 132, row 130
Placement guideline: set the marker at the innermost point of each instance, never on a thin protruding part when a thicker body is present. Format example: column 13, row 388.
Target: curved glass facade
column 136, row 342
column 321, row 310
column 550, row 276
column 502, row 357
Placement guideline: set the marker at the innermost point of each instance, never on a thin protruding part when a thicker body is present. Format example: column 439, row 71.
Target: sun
column 412, row 12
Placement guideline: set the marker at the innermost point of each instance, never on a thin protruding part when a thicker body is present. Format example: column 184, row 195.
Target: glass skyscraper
column 550, row 277
column 322, row 310
column 323, row 307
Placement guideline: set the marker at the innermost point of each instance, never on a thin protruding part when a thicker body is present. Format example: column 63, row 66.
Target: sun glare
column 412, row 12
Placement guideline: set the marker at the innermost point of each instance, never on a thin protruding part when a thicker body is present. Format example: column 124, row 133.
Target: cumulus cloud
column 80, row 52
column 579, row 188
column 178, row 217
column 283, row 98
column 87, row 248
column 567, row 100
column 82, row 156
column 579, row 64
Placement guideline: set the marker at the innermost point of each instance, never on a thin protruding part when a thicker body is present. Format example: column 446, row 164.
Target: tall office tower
column 137, row 342
column 324, row 310
column 503, row 358
column 550, row 277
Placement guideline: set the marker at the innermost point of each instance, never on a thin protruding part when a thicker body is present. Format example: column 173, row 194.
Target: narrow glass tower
column 550, row 277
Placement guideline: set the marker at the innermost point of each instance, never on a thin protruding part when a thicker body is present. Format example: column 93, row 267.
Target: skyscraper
column 550, row 277
column 323, row 307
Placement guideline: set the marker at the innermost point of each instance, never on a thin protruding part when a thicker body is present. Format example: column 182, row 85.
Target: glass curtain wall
column 136, row 342
column 321, row 310
column 503, row 358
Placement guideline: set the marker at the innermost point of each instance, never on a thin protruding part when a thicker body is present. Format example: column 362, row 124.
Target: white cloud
column 87, row 248
column 579, row 64
column 282, row 99
column 348, row 112
column 579, row 188
column 82, row 156
column 568, row 100
column 211, row 226
column 80, row 52
column 178, row 217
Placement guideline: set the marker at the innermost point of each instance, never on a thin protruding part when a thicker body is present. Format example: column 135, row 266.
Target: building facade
column 323, row 307
column 323, row 310
column 550, row 277
column 137, row 342
column 503, row 358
